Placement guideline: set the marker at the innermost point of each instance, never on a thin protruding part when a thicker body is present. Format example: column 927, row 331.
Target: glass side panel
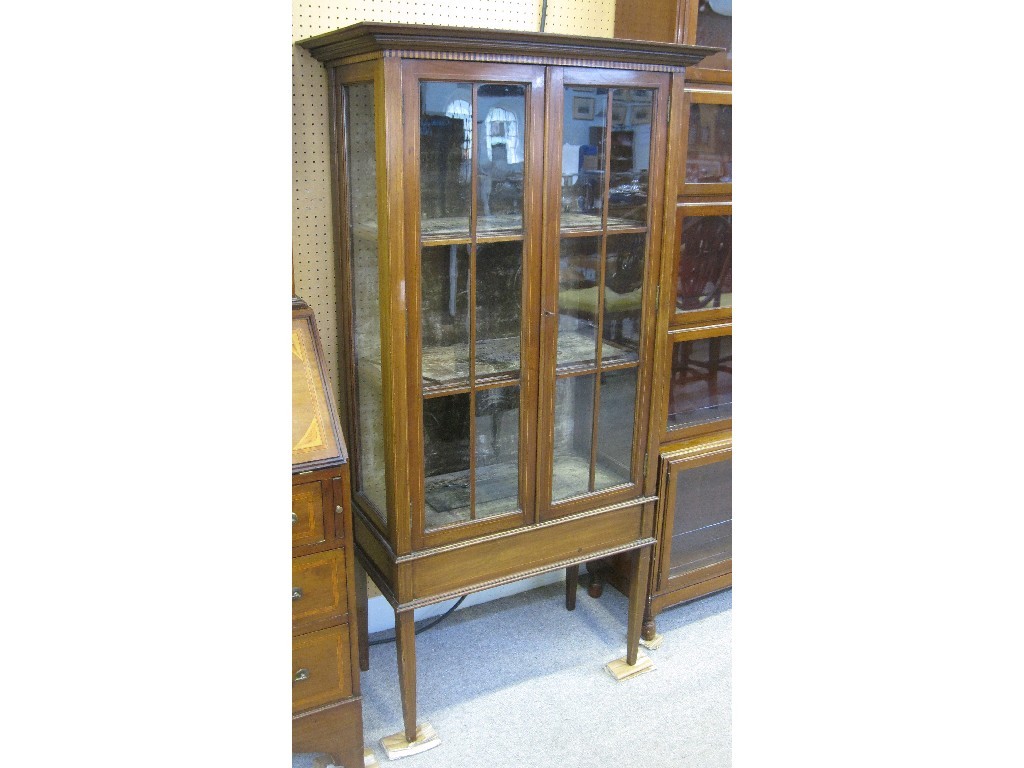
column 623, row 297
column 446, row 151
column 704, row 270
column 444, row 280
column 446, row 466
column 499, row 300
column 361, row 167
column 574, row 419
column 700, row 387
column 579, row 271
column 629, row 156
column 313, row 435
column 615, row 428
column 500, row 151
column 497, row 451
column 714, row 27
column 709, row 144
column 583, row 157
column 702, row 522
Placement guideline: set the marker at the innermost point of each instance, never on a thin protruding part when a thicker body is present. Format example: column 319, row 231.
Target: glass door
column 475, row 135
column 599, row 300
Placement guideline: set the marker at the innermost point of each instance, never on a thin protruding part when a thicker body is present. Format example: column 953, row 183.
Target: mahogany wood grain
column 319, row 590
column 335, row 729
column 405, row 640
column 320, row 667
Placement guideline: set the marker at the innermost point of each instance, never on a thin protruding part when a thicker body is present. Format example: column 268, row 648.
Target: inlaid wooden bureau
column 327, row 711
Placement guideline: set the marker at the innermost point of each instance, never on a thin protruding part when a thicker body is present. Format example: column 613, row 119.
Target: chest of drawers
column 326, row 706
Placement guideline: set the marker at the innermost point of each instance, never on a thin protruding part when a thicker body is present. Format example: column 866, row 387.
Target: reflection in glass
column 702, row 522
column 446, row 459
column 714, row 27
column 623, row 297
column 500, row 154
column 700, row 387
column 499, row 298
column 583, row 157
column 362, row 199
column 578, row 273
column 629, row 156
column 446, row 148
column 444, row 277
column 497, row 451
column 709, row 144
column 704, row 274
column 615, row 428
column 574, row 419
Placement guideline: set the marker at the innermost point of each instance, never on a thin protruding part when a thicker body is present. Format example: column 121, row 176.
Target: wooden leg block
column 369, row 759
column 621, row 670
column 397, row 746
column 653, row 644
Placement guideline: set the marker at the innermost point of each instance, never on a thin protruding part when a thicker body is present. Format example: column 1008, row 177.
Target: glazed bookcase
column 502, row 201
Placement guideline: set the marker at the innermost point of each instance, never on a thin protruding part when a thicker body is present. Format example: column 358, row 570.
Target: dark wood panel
column 535, row 548
column 336, row 730
column 319, row 590
column 321, row 667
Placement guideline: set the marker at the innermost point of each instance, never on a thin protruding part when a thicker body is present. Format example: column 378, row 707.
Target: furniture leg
column 362, row 616
column 639, row 577
column 572, row 577
column 405, row 640
column 649, row 629
column 598, row 570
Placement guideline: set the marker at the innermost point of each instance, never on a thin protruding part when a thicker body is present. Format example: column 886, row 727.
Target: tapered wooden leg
column 639, row 576
column 572, row 577
column 362, row 616
column 405, row 640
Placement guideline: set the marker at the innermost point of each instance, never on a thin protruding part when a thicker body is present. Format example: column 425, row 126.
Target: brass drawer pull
column 295, row 518
column 296, row 593
column 338, row 510
column 302, row 674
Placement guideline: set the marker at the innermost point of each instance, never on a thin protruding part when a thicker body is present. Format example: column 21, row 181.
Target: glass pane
column 497, row 451
column 499, row 299
column 446, row 460
column 444, row 276
column 704, row 276
column 629, row 156
column 702, row 523
column 623, row 297
column 583, row 157
column 714, row 27
column 578, row 275
column 574, row 420
column 446, row 149
column 362, row 187
column 615, row 428
column 700, row 389
column 709, row 144
column 500, row 154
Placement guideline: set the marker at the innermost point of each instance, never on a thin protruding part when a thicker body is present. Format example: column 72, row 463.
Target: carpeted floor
column 521, row 682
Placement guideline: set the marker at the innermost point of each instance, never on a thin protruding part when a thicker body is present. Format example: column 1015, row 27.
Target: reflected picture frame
column 582, row 108
column 619, row 112
column 639, row 114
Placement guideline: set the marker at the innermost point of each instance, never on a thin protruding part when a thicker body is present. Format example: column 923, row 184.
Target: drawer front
column 321, row 668
column 307, row 513
column 319, row 588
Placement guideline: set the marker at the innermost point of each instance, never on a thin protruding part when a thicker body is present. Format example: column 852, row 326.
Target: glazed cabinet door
column 695, row 495
column 605, row 177
column 472, row 168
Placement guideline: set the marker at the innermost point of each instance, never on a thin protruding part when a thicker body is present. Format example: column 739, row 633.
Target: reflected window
column 501, row 128
column 460, row 110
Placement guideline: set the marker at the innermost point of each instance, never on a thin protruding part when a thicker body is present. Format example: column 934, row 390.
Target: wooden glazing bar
column 473, row 181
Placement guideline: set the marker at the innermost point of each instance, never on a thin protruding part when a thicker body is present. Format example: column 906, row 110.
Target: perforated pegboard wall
column 312, row 238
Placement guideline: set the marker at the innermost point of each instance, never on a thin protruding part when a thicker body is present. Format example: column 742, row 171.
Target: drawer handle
column 295, row 518
column 302, row 674
column 338, row 510
column 296, row 593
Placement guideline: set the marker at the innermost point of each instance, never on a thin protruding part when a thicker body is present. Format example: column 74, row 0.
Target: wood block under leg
column 369, row 759
column 654, row 643
column 397, row 745
column 621, row 670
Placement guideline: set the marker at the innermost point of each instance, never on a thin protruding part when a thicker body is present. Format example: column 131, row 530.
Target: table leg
column 640, row 575
column 405, row 637
column 362, row 616
column 572, row 577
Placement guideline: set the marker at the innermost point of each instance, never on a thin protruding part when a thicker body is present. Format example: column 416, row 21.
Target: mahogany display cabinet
column 502, row 201
column 327, row 714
